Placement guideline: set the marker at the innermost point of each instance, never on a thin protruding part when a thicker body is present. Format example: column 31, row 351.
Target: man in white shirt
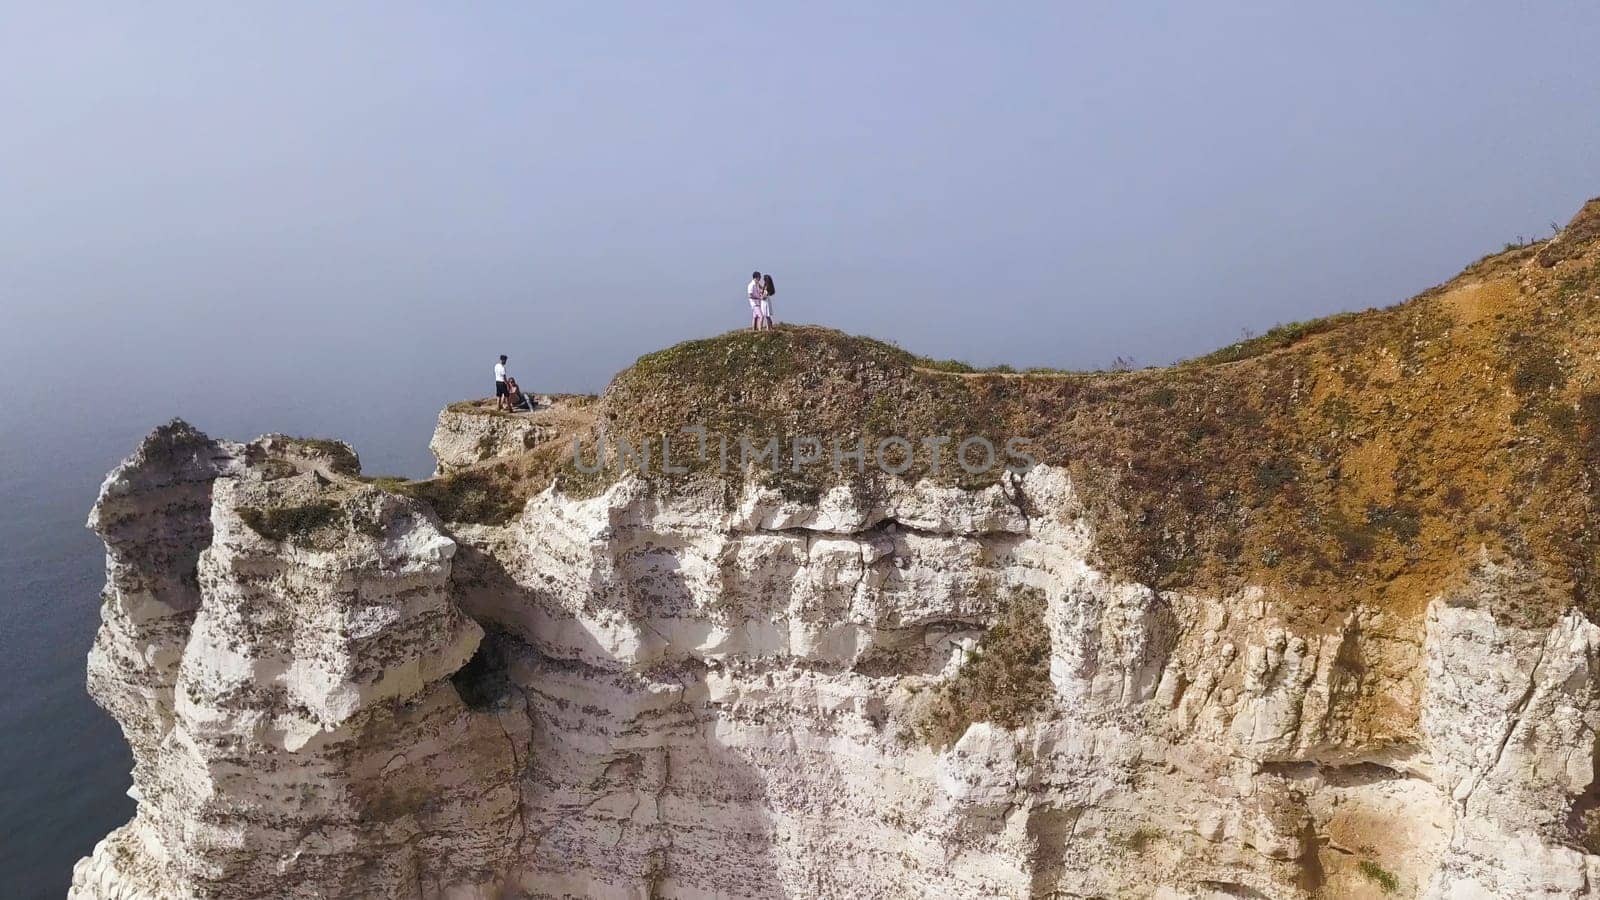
column 756, row 293
column 502, row 397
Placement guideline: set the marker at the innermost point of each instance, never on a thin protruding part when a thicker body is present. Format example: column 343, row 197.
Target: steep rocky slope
column 1311, row 617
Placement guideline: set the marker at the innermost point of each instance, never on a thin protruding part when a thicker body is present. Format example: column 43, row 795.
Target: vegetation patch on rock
column 293, row 524
column 1386, row 880
column 1276, row 338
column 1004, row 679
column 336, row 455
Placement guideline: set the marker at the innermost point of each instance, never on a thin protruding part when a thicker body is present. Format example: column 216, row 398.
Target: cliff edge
column 1312, row 616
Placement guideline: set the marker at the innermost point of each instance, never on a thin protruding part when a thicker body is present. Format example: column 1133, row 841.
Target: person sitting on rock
column 502, row 398
column 516, row 399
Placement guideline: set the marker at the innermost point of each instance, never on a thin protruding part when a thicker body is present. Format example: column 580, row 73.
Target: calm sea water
column 64, row 762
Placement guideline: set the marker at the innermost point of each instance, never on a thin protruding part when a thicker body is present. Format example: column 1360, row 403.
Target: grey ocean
column 65, row 761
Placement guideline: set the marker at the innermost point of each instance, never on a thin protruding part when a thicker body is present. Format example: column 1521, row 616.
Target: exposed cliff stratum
column 1311, row 617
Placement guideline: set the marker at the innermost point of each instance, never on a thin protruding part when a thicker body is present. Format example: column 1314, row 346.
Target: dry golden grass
column 1357, row 460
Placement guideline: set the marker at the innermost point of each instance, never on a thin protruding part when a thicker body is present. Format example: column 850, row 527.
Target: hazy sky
column 328, row 218
column 295, row 199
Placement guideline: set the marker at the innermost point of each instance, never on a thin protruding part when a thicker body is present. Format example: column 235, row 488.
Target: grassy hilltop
column 1361, row 458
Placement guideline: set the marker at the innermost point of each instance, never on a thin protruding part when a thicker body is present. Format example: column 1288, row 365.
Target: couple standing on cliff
column 507, row 395
column 760, row 291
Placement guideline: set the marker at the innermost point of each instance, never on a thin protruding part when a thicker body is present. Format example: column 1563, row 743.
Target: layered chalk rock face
column 287, row 695
column 1310, row 619
column 679, row 697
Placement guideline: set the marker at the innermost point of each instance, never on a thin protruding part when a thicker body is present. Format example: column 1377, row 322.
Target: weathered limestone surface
column 640, row 695
column 293, row 724
column 466, row 436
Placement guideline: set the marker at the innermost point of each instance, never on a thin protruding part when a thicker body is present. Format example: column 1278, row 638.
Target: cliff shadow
column 627, row 785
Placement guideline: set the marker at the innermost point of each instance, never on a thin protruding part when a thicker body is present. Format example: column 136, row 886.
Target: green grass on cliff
column 1276, row 338
column 802, row 381
column 1383, row 878
column 294, row 524
column 1005, row 679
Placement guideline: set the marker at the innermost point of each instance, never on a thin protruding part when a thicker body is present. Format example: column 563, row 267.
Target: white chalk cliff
column 334, row 689
column 672, row 701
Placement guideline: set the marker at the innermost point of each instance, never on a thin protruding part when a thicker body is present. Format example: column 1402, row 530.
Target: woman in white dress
column 767, row 290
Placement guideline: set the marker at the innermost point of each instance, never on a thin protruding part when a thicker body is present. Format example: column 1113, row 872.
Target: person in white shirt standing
column 502, row 397
column 756, row 294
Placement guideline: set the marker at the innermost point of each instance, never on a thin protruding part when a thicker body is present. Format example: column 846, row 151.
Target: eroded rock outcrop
column 1314, row 668
column 292, row 718
column 469, row 433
